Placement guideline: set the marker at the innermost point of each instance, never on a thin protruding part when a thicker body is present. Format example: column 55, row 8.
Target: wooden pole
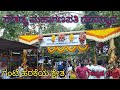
column 24, row 57
column 40, row 32
column 42, row 66
column 37, row 61
column 95, row 59
column 10, row 59
column 112, row 51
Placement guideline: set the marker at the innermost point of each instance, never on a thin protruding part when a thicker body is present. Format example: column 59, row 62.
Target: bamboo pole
column 40, row 32
column 10, row 58
column 37, row 61
column 42, row 66
column 95, row 59
column 112, row 51
column 24, row 57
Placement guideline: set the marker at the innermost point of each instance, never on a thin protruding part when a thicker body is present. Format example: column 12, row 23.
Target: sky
column 1, row 32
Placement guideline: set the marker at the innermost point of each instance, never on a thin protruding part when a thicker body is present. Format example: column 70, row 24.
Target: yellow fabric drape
column 103, row 34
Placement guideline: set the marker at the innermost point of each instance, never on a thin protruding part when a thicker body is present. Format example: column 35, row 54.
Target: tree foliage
column 13, row 30
column 102, row 26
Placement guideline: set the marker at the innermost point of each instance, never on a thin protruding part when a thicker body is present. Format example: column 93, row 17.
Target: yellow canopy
column 28, row 39
column 103, row 35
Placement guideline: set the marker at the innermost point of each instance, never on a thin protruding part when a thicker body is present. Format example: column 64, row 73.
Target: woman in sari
column 73, row 75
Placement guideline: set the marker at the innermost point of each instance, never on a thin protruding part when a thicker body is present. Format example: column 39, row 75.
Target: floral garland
column 61, row 49
column 71, row 48
column 51, row 49
column 82, row 49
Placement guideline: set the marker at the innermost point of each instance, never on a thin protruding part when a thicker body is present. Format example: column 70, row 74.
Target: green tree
column 102, row 26
column 13, row 30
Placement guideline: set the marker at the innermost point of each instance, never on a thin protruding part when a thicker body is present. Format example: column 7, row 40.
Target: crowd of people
column 85, row 69
column 89, row 70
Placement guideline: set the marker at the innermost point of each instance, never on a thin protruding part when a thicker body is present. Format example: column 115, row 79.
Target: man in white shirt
column 98, row 71
column 90, row 66
column 20, row 69
column 69, row 69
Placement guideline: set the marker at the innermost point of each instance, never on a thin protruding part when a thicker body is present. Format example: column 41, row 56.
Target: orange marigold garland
column 51, row 49
column 61, row 49
column 71, row 48
column 82, row 49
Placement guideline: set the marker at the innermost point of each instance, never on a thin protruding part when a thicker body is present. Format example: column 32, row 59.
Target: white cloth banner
column 47, row 41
